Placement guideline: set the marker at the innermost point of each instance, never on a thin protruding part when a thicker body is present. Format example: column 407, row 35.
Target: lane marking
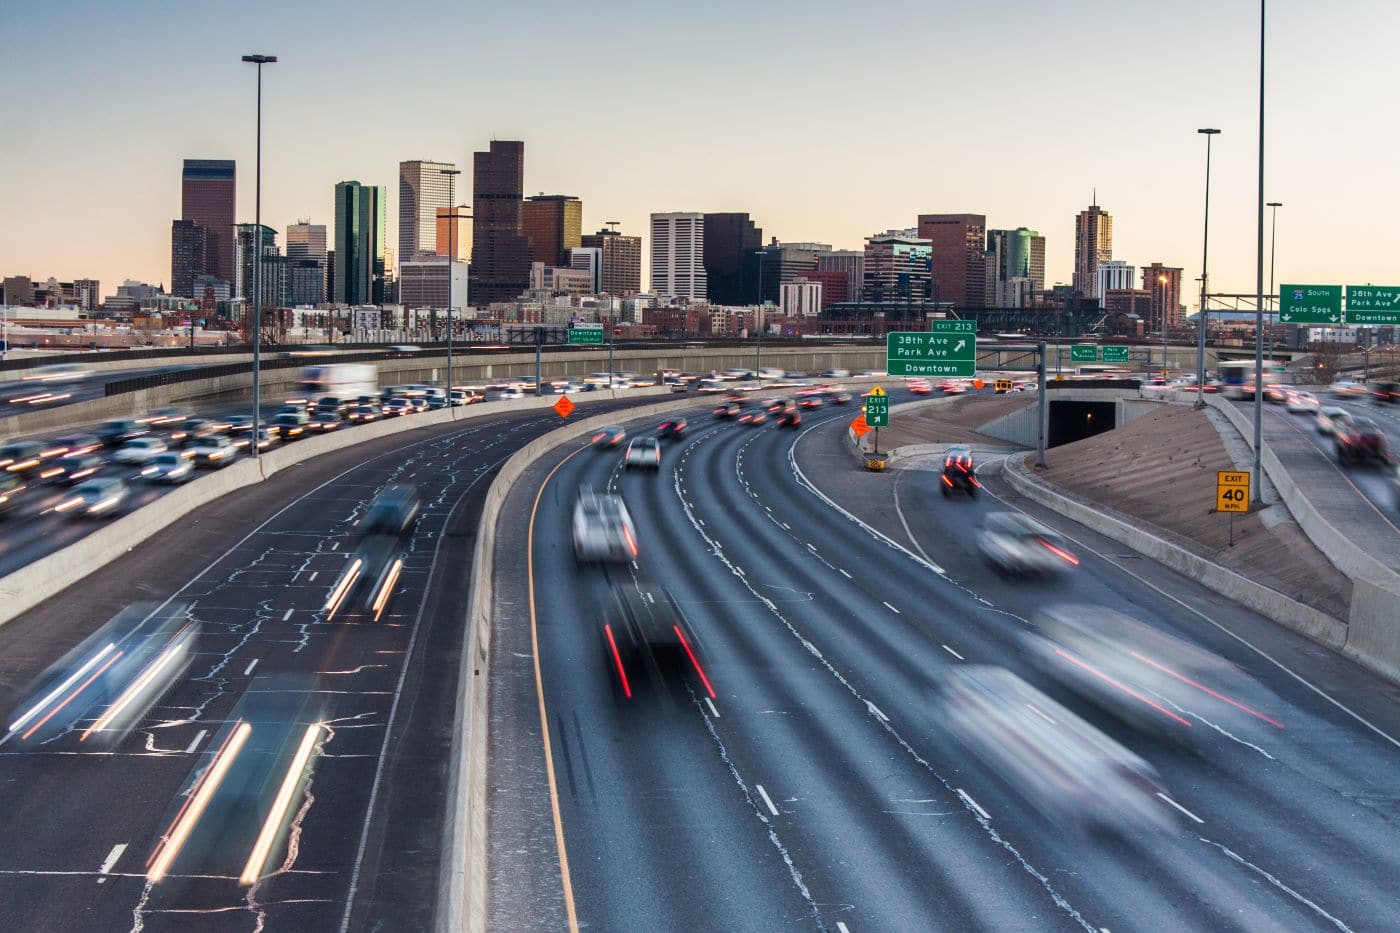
column 841, row 927
column 287, row 615
column 891, row 608
column 189, row 749
column 249, row 669
column 876, row 711
column 900, row 512
column 954, row 653
column 1179, row 807
column 967, row 799
column 335, row 545
column 768, row 801
column 312, row 578
column 111, row 860
column 844, row 573
column 711, row 705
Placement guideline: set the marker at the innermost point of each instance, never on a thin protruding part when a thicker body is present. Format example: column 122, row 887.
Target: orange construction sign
column 860, row 427
column 564, row 407
column 978, row 384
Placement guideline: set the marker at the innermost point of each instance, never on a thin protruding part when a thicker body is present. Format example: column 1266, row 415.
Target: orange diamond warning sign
column 564, row 407
column 860, row 427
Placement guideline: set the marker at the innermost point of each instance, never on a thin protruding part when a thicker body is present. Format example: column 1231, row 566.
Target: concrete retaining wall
column 1374, row 633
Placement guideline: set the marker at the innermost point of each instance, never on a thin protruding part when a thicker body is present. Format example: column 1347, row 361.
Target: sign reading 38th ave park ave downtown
column 1373, row 304
column 1322, row 304
column 947, row 348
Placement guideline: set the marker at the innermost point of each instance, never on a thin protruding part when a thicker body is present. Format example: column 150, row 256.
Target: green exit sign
column 592, row 336
column 947, row 348
column 877, row 411
column 1310, row 304
column 1084, row 353
column 1115, row 354
column 1373, row 304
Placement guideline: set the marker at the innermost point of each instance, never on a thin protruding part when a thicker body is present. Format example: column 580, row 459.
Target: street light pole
column 758, row 346
column 258, row 60
column 1257, row 485
column 451, row 257
column 1273, row 243
column 1205, row 256
column 1162, row 288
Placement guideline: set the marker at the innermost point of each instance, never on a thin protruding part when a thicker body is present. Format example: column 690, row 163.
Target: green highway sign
column 1084, row 353
column 591, row 334
column 1310, row 304
column 877, row 409
column 947, row 348
column 1115, row 354
column 1373, row 304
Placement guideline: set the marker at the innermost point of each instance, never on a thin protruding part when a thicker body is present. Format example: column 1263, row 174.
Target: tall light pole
column 451, row 174
column 758, row 327
column 1256, row 486
column 1205, row 255
column 258, row 60
column 1273, row 243
column 1162, row 290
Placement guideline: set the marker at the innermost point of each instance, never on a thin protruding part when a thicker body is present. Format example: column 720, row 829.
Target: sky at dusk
column 825, row 121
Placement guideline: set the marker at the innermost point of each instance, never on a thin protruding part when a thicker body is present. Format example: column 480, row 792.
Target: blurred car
column 171, row 467
column 71, row 445
column 839, row 397
column 290, row 426
column 1071, row 773
column 952, row 387
column 374, row 569
column 1347, row 388
column 1017, row 544
column 267, row 439
column 1300, row 402
column 466, row 397
column 21, row 458
column 118, row 431
column 12, row 492
column 1386, row 392
column 191, row 429
column 728, row 410
column 711, row 384
column 73, row 469
column 836, row 374
column 363, row 414
column 918, row 387
column 789, row 417
column 104, row 497
column 503, row 393
column 647, row 637
column 240, row 424
column 809, row 400
column 392, row 512
column 398, row 406
column 139, row 450
column 603, row 529
column 1329, row 416
column 1360, row 440
column 213, row 452
column 774, row 405
column 959, row 471
column 166, row 416
column 609, row 437
column 752, row 416
column 1277, row 393
column 672, row 429
column 323, row 422
column 57, row 372
column 643, row 453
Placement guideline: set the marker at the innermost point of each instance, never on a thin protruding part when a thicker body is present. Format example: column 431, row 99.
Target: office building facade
column 248, row 249
column 590, row 260
column 187, row 255
column 800, row 298
column 1164, row 283
column 500, row 269
column 1115, row 275
column 554, row 224
column 678, row 255
column 307, row 245
column 848, row 262
column 957, row 246
column 454, row 233
column 1015, row 267
column 898, row 267
column 1093, row 246
column 621, row 274
column 208, row 188
column 728, row 237
column 423, row 283
column 359, row 244
column 423, row 190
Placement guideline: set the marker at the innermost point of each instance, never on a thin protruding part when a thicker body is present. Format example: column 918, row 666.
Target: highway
column 18, row 395
column 819, row 786
column 254, row 570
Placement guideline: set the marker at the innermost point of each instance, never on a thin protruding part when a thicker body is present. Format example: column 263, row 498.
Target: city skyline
column 1038, row 174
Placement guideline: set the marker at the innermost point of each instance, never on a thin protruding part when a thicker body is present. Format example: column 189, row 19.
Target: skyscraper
column 1093, row 246
column 1115, row 275
column 306, row 253
column 621, row 260
column 423, row 189
column 207, row 192
column 500, row 250
column 728, row 237
column 1015, row 267
column 957, row 244
column 187, row 249
column 554, row 224
column 1164, row 282
column 678, row 255
column 851, row 264
column 454, row 233
column 359, row 244
column 898, row 267
column 248, row 246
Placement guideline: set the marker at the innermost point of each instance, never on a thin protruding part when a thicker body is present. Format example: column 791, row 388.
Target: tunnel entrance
column 1074, row 421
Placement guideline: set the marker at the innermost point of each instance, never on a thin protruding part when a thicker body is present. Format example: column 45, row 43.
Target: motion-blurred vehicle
column 1360, row 440
column 73, row 469
column 672, row 429
column 373, row 570
column 953, row 387
column 809, row 400
column 503, row 393
column 1386, row 392
column 171, row 468
column 363, row 414
column 642, row 453
column 839, row 397
column 120, row 430
column 396, row 407
column 728, row 410
column 1017, row 544
column 12, row 492
column 338, row 380
column 753, row 416
column 22, row 458
column 1301, row 402
column 336, row 404
column 1071, row 773
column 774, row 405
column 267, row 439
column 324, row 422
column 213, row 452
column 609, row 437
column 959, row 471
column 71, row 445
column 1328, row 417
column 139, row 450
column 57, row 372
column 191, row 429
column 392, row 512
column 1347, row 388
column 240, row 424
column 466, row 397
column 1277, row 392
column 104, row 497
column 603, row 529
column 646, row 637
column 789, row 417
column 163, row 417
column 836, row 374
column 918, row 387
column 290, row 426
column 711, row 384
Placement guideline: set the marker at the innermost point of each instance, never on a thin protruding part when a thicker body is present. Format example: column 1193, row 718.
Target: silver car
column 1018, row 544
column 1328, row 417
column 603, row 529
column 643, row 453
column 170, row 467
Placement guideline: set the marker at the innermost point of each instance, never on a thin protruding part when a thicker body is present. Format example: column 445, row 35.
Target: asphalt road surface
column 18, row 395
column 819, row 788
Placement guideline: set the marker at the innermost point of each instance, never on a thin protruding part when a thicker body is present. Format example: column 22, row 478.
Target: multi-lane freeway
column 809, row 777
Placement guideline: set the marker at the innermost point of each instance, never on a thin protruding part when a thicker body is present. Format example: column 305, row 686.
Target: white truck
column 346, row 381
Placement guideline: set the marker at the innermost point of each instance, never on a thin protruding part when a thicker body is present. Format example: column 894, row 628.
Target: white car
column 1015, row 543
column 1329, row 416
column 643, row 453
column 139, row 450
column 1346, row 388
column 603, row 529
column 1301, row 403
column 170, row 467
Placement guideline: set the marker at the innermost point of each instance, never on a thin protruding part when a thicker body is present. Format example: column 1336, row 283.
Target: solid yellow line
column 544, row 717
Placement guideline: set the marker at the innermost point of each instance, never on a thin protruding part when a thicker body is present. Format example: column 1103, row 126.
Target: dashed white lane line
column 812, row 548
column 876, row 711
column 249, row 669
column 967, row 799
column 110, row 861
column 710, row 703
column 841, row 927
column 312, row 578
column 335, row 545
column 954, row 653
column 1179, row 807
column 844, row 573
column 787, row 526
column 287, row 615
column 891, row 609
column 194, row 743
column 766, row 799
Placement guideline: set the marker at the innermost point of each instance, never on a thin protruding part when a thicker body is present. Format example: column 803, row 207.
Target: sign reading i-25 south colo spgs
column 1310, row 304
column 1373, row 304
column 947, row 348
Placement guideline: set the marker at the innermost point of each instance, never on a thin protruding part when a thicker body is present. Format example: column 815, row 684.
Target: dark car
column 609, row 437
column 671, row 429
column 12, row 491
column 1386, row 392
column 774, row 405
column 1360, row 440
column 74, row 469
column 728, row 410
column 809, row 400
column 392, row 512
column 240, row 424
column 789, row 417
column 959, row 471
column 71, row 445
column 839, row 397
column 363, row 414
column 21, row 458
column 323, row 422
column 118, row 432
column 646, row 637
column 753, row 416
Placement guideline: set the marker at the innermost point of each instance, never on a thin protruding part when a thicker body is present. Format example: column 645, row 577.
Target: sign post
column 1310, row 304
column 1232, row 495
column 947, row 348
column 1373, row 304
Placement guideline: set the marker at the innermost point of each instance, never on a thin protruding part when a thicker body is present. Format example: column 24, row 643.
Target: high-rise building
column 1015, row 267
column 554, row 224
column 17, row 291
column 273, row 276
column 728, row 237
column 590, row 260
column 187, row 251
column 898, row 266
column 678, row 255
column 801, row 298
column 454, row 232
column 849, row 262
column 423, row 282
column 780, row 263
column 1093, row 246
column 958, row 246
column 835, row 286
column 424, row 187
column 1164, row 282
column 306, row 247
column 207, row 193
column 622, row 262
column 1115, row 275
column 500, row 250
column 88, row 293
column 359, row 244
